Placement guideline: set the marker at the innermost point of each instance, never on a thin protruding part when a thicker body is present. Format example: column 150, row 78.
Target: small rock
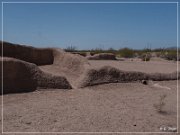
column 145, row 82
column 28, row 123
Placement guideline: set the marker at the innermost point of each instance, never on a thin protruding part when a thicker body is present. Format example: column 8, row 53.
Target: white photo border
column 19, row 2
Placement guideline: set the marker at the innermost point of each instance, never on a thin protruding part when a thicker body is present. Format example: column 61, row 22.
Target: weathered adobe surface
column 30, row 54
column 21, row 76
column 108, row 74
column 68, row 65
column 102, row 56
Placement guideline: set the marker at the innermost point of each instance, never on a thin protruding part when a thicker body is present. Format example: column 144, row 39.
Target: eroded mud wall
column 30, row 54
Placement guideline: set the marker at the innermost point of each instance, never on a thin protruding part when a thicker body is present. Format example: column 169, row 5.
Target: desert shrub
column 96, row 51
column 138, row 53
column 80, row 53
column 111, row 50
column 146, row 57
column 118, row 55
column 126, row 53
column 161, row 103
column 158, row 54
column 71, row 49
column 146, row 50
column 170, row 55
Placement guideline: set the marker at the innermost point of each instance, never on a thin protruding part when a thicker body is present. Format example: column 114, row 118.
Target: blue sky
column 88, row 26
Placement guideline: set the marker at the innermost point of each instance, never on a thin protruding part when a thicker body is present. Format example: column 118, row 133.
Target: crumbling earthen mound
column 108, row 74
column 84, row 54
column 46, row 80
column 102, row 56
column 27, row 53
column 21, row 76
column 163, row 77
column 72, row 66
column 18, row 76
column 54, row 61
column 68, row 61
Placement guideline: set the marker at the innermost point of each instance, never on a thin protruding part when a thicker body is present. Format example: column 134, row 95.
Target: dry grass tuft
column 161, row 104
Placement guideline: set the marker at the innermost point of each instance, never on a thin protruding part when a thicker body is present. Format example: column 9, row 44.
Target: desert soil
column 115, row 107
column 154, row 66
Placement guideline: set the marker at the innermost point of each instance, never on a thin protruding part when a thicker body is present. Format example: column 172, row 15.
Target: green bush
column 96, row 51
column 146, row 57
column 126, row 53
column 170, row 55
column 111, row 50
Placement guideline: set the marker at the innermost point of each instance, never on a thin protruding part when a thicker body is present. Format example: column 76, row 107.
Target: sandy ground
column 153, row 66
column 121, row 107
column 115, row 107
